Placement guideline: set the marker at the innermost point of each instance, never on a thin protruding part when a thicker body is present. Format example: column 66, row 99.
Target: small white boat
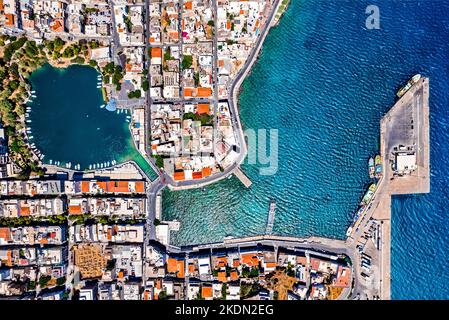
column 90, row 167
column 28, row 121
column 128, row 117
column 126, row 111
column 51, row 161
column 27, row 115
column 127, row 120
column 108, row 163
column 33, row 91
column 118, row 111
column 101, row 165
column 30, row 137
column 102, row 106
column 33, row 96
column 98, row 87
column 98, row 165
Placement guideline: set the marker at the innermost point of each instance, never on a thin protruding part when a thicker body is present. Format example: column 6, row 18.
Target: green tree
column 159, row 160
column 13, row 84
column 109, row 68
column 196, row 78
column 43, row 280
column 31, row 286
column 129, row 24
column 61, row 281
column 78, row 60
column 224, row 288
column 58, row 43
column 186, row 61
column 94, row 44
column 134, row 94
column 145, row 85
column 167, row 54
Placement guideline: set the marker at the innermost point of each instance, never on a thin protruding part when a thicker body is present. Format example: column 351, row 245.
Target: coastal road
column 152, row 192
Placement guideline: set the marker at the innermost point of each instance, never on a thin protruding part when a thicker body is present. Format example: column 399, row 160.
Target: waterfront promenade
column 407, row 124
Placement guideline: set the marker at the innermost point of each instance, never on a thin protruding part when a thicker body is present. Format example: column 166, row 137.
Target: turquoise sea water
column 68, row 124
column 324, row 81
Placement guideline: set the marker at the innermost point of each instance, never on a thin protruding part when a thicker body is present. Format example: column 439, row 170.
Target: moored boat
column 378, row 166
column 369, row 194
column 348, row 232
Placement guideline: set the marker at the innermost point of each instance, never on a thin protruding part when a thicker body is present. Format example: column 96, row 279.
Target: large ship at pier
column 409, row 84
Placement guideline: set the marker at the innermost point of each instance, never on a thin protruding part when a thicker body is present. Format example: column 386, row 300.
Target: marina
column 78, row 134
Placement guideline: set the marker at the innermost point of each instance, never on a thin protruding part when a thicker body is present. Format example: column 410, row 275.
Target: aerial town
column 172, row 64
column 68, row 234
column 176, row 67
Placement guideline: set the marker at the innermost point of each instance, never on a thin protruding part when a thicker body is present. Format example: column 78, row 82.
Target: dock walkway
column 270, row 220
column 242, row 177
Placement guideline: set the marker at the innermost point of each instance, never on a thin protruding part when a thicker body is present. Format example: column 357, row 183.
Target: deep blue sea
column 324, row 81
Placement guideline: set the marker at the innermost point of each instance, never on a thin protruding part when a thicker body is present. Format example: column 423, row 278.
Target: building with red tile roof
column 206, row 292
column 343, row 277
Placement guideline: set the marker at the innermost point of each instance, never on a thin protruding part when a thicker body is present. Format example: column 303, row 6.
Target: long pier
column 242, row 177
column 270, row 220
column 406, row 124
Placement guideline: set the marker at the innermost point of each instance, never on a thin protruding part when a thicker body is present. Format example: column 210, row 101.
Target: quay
column 242, row 177
column 404, row 148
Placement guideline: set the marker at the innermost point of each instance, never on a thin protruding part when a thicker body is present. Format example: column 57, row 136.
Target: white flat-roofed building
column 204, row 265
column 405, row 162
